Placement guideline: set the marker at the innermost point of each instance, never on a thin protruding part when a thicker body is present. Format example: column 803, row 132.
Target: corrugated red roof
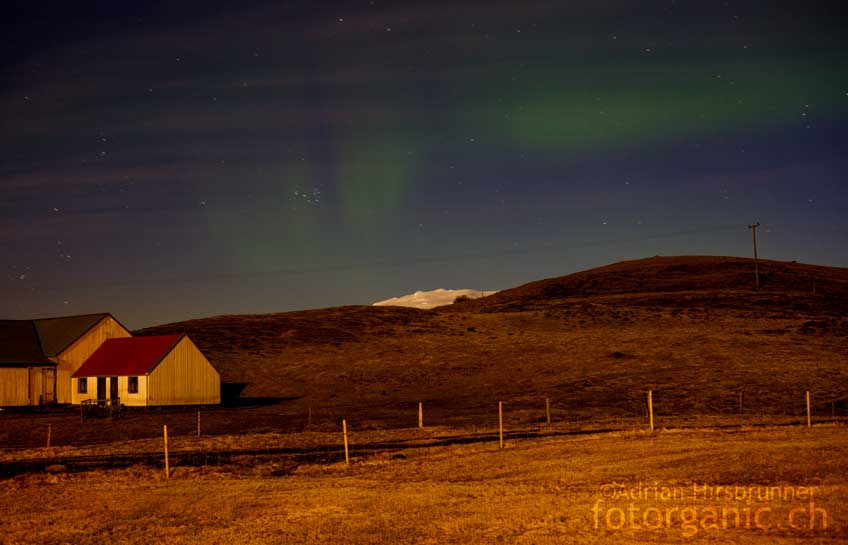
column 130, row 356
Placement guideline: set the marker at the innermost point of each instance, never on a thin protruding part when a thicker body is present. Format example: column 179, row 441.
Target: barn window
column 132, row 385
column 82, row 385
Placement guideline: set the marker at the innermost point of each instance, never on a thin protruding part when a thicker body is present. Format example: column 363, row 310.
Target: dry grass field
column 631, row 487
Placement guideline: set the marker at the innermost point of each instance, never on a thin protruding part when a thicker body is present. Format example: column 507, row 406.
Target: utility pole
column 753, row 228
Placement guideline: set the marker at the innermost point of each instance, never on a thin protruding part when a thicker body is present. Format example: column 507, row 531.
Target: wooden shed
column 38, row 357
column 152, row 370
column 27, row 376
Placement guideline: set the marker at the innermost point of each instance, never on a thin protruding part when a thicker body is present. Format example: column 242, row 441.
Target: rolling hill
column 690, row 328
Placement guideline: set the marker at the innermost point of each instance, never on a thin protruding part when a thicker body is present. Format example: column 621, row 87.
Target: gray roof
column 34, row 342
column 57, row 334
column 19, row 344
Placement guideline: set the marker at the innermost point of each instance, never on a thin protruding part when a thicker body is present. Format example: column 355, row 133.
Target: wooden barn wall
column 13, row 386
column 75, row 355
column 36, row 385
column 63, row 386
column 184, row 377
column 23, row 385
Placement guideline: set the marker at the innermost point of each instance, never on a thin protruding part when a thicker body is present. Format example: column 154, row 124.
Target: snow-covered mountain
column 433, row 298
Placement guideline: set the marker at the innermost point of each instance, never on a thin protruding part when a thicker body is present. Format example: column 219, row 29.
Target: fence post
column 420, row 414
column 49, row 432
column 651, row 409
column 198, row 423
column 344, row 431
column 809, row 423
column 167, row 467
column 500, row 422
column 548, row 410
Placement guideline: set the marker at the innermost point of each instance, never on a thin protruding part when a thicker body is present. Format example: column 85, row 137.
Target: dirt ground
column 621, row 487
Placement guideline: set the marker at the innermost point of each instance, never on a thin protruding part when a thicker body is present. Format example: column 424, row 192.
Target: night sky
column 166, row 162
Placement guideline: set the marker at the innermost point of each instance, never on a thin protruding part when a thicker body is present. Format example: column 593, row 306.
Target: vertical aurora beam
column 374, row 177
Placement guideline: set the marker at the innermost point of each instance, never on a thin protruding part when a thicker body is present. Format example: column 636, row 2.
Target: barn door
column 113, row 388
column 101, row 388
column 48, row 384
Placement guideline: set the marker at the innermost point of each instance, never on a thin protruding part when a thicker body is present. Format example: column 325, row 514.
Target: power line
column 753, row 228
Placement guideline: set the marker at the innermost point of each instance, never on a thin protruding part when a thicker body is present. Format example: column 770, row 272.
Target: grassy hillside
column 690, row 328
column 712, row 276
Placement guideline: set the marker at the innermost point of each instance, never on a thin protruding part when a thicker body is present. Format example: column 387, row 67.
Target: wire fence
column 669, row 408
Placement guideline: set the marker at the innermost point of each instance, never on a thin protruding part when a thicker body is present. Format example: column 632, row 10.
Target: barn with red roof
column 38, row 357
column 149, row 370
